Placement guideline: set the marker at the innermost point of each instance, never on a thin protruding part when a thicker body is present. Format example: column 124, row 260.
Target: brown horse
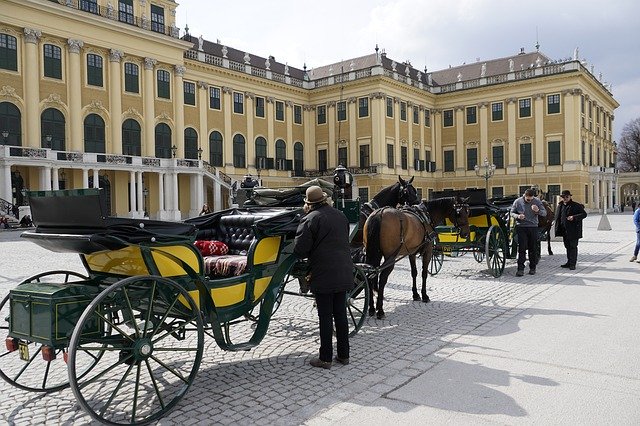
column 544, row 227
column 393, row 233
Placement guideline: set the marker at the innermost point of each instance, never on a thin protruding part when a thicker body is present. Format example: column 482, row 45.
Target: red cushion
column 211, row 248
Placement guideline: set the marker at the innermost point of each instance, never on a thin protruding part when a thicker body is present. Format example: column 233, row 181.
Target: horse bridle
column 404, row 193
column 458, row 207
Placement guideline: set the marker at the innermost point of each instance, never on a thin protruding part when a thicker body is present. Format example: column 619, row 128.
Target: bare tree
column 629, row 147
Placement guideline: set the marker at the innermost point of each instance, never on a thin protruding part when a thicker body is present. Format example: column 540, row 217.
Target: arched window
column 10, row 127
column 94, row 134
column 281, row 154
column 239, row 157
column 190, row 144
column 298, row 159
column 261, row 153
column 52, row 129
column 163, row 141
column 131, row 138
column 215, row 149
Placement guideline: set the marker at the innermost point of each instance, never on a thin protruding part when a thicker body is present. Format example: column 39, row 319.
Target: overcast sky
column 435, row 33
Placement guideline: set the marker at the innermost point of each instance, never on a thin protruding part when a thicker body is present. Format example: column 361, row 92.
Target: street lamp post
column 485, row 171
column 200, row 153
column 145, row 193
column 48, row 139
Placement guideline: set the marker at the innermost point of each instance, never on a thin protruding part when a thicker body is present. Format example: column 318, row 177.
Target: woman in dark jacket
column 323, row 238
column 568, row 224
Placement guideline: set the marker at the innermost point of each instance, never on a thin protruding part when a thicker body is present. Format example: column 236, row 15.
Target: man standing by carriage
column 525, row 211
column 569, row 215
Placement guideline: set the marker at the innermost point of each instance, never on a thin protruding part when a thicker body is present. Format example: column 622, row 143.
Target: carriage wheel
column 357, row 301
column 154, row 346
column 495, row 250
column 35, row 374
column 437, row 259
column 478, row 255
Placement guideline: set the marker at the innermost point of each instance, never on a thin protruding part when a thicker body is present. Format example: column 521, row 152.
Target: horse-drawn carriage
column 128, row 337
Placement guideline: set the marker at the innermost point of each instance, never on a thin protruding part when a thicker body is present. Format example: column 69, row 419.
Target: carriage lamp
column 485, row 171
column 200, row 153
column 48, row 353
column 48, row 139
column 174, row 150
column 342, row 180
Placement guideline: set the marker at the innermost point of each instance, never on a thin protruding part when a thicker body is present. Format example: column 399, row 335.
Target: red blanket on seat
column 225, row 265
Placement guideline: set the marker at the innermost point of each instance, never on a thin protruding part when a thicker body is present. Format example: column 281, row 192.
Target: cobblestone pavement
column 273, row 383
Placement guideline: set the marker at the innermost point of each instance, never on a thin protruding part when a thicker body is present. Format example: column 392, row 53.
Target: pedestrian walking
column 526, row 210
column 569, row 216
column 636, row 222
column 323, row 237
column 633, row 206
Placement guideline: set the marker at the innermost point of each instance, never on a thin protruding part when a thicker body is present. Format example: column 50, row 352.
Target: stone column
column 5, row 190
column 396, row 134
column 352, row 151
column 56, row 178
column 161, row 209
column 139, row 195
column 46, row 178
column 32, row 88
column 115, row 100
column 176, row 202
column 436, row 152
column 148, row 97
column 178, row 108
column 132, row 193
column 331, row 126
column 217, row 195
column 76, row 137
column 203, row 108
column 512, row 144
column 460, row 165
column 377, row 130
column 539, row 140
column 227, row 149
column 96, row 178
column 251, row 145
column 485, row 145
column 610, row 194
column 309, row 153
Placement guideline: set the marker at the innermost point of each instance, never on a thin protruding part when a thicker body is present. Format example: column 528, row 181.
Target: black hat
column 566, row 192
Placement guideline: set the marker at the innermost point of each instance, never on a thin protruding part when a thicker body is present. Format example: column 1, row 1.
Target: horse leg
column 414, row 275
column 384, row 277
column 549, row 243
column 372, row 283
column 426, row 258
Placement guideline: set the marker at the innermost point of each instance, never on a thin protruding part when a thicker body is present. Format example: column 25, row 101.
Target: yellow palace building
column 108, row 93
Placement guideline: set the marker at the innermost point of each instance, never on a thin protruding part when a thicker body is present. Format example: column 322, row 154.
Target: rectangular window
column 89, row 6
column 554, row 153
column 322, row 160
column 582, row 104
column 157, row 19
column 363, row 107
column 214, row 97
column 364, row 156
column 389, row 107
column 416, row 115
column 363, row 194
column 427, row 156
column 590, row 155
column 525, row 155
column 164, row 90
column 472, row 158
column 94, row 70
column 279, row 110
column 449, row 165
column 553, row 104
column 523, row 188
column 497, row 157
column 322, row 114
column 341, row 110
column 590, row 109
column 524, row 107
column 416, row 159
column 390, row 156
column 427, row 118
column 8, row 52
column 259, row 107
column 131, row 78
column 125, row 11
column 472, row 115
column 404, row 157
column 189, row 93
column 342, row 156
column 447, row 118
column 552, row 192
column 497, row 191
column 586, row 194
column 52, row 61
column 584, row 154
column 496, row 111
column 238, row 103
column 297, row 114
column 403, row 111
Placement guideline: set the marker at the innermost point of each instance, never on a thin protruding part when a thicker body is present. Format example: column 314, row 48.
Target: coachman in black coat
column 568, row 224
column 323, row 238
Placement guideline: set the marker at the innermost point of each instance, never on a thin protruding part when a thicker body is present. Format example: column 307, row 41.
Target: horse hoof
column 372, row 312
column 416, row 297
column 426, row 299
column 381, row 315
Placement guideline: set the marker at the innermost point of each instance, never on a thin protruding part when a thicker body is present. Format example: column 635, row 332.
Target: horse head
column 459, row 216
column 407, row 192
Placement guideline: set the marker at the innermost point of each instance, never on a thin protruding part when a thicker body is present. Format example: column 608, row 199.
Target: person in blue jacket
column 636, row 222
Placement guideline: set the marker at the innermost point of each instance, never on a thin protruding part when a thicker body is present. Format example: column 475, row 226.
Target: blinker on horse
column 393, row 233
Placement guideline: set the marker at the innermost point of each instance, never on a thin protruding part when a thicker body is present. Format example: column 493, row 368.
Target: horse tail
column 373, row 249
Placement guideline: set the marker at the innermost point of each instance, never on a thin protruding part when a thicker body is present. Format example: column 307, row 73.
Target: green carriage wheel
column 357, row 301
column 437, row 259
column 36, row 374
column 478, row 255
column 154, row 344
column 495, row 250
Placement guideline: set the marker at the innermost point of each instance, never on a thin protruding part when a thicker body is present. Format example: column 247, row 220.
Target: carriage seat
column 237, row 233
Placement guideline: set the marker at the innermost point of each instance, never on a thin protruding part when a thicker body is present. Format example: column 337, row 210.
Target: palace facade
column 108, row 93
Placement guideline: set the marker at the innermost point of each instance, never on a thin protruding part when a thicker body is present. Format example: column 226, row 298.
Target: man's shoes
column 566, row 265
column 633, row 259
column 520, row 273
column 532, row 271
column 317, row 362
column 572, row 268
column 343, row 361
